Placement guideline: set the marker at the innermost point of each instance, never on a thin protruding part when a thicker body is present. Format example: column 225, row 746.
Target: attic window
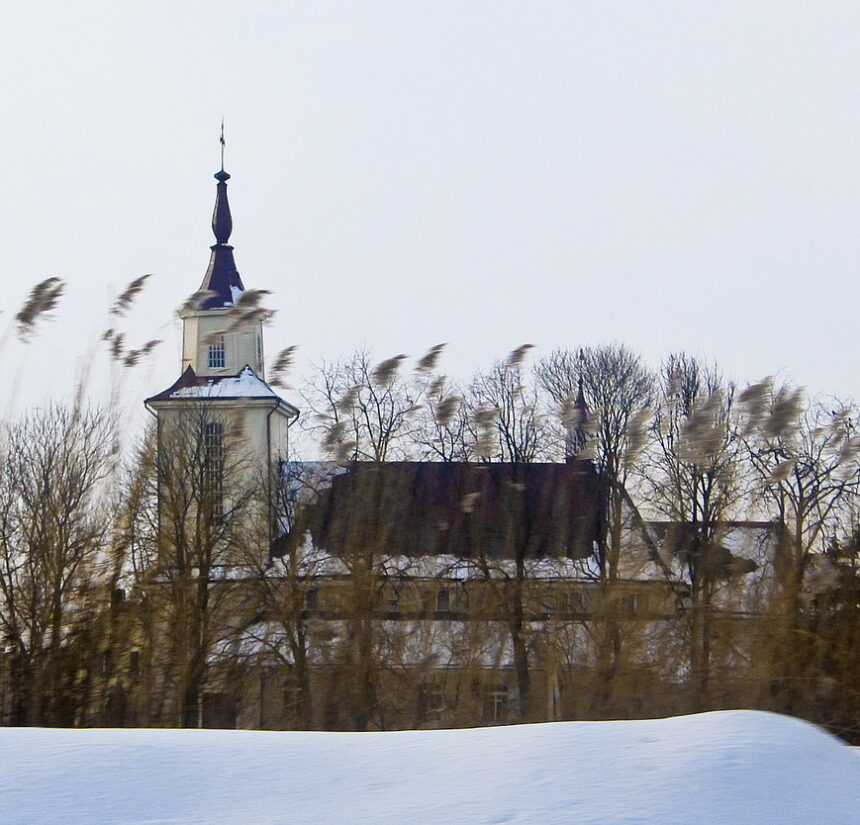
column 216, row 353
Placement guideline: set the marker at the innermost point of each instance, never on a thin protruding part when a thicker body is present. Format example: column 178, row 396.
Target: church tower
column 216, row 341
column 220, row 412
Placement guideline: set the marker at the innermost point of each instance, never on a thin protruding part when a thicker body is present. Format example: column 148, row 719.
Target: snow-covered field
column 733, row 767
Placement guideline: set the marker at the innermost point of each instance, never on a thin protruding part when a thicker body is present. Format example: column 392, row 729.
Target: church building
column 403, row 594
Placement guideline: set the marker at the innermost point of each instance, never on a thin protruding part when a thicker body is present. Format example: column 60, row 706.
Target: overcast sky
column 667, row 175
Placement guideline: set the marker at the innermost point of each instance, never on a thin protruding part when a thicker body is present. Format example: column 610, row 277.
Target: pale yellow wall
column 240, row 345
column 246, row 422
column 256, row 436
column 256, row 430
column 279, row 448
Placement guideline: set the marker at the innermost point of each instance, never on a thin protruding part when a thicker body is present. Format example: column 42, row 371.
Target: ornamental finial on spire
column 222, row 144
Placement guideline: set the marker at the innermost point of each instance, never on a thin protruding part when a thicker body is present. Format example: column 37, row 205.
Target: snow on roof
column 244, row 385
column 314, row 561
column 742, row 767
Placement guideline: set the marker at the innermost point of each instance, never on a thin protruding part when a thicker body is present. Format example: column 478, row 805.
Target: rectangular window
column 630, row 604
column 443, row 600
column 431, row 701
column 292, row 698
column 216, row 353
column 496, row 702
column 578, row 602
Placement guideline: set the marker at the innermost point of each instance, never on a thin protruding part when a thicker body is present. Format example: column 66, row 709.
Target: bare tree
column 52, row 532
column 364, row 415
column 805, row 460
column 618, row 390
column 804, row 456
column 508, row 422
column 508, row 425
column 281, row 620
column 362, row 411
column 692, row 475
column 444, row 429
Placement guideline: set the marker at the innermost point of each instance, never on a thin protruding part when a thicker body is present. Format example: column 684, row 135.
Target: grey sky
column 670, row 175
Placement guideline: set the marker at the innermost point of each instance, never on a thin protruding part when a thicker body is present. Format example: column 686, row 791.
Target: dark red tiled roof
column 466, row 509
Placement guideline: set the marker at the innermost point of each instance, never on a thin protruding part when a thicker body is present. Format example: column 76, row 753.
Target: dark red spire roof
column 221, row 277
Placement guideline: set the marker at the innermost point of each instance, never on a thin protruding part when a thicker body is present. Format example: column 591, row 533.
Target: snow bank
column 737, row 767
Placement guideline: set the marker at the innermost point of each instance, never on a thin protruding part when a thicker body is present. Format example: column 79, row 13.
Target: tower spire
column 221, row 279
column 579, row 436
column 222, row 220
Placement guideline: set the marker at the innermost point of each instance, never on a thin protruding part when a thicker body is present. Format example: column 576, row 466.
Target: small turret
column 580, row 409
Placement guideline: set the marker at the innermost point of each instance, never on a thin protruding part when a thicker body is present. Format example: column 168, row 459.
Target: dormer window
column 216, row 354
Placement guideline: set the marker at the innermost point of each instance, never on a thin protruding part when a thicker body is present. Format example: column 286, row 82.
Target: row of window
column 440, row 600
column 495, row 701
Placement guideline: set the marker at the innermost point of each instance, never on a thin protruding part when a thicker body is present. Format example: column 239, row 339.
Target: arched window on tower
column 213, row 468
